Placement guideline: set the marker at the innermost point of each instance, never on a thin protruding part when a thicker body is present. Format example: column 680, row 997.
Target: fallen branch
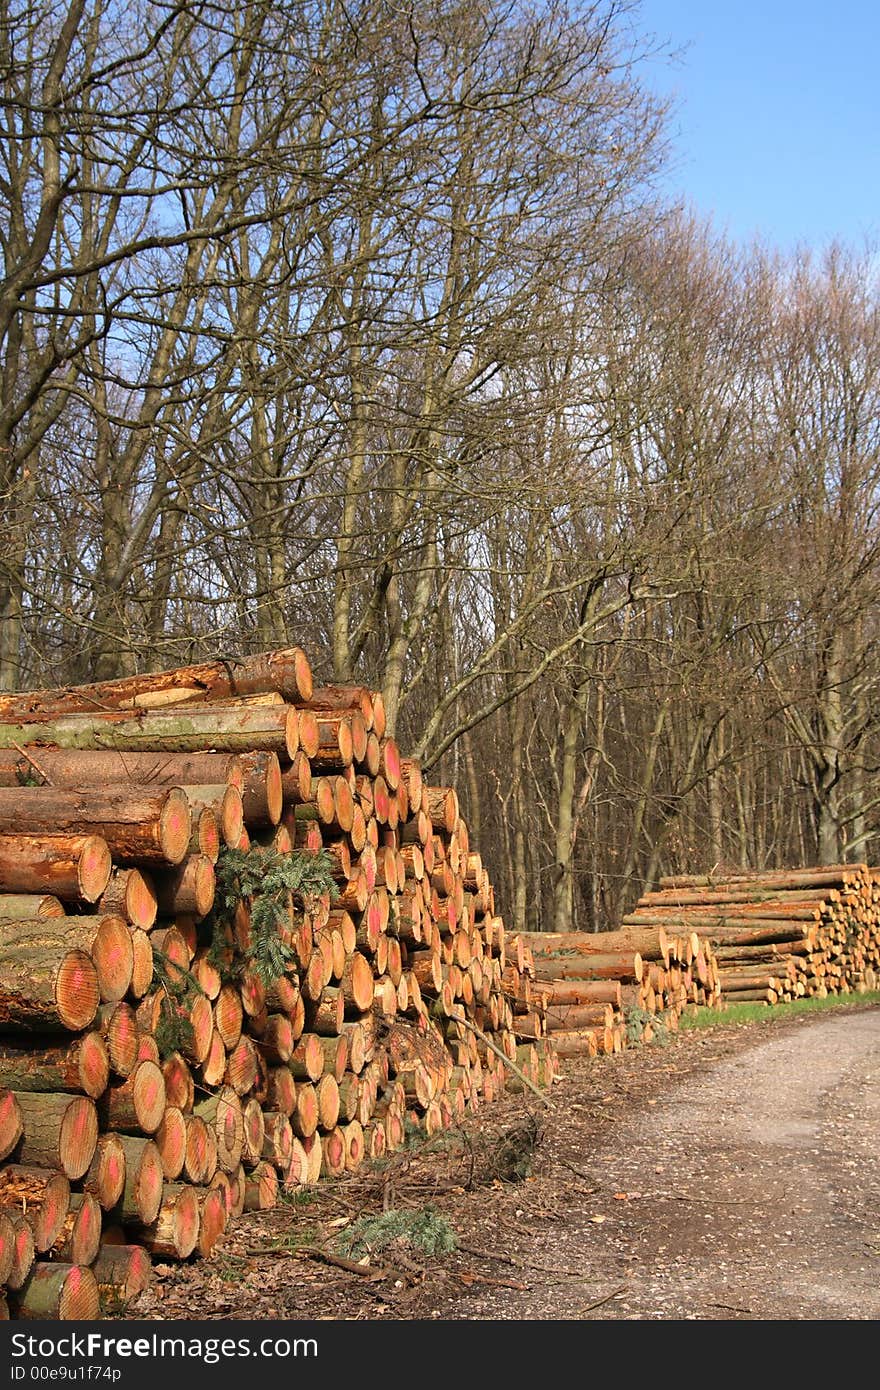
column 505, row 1059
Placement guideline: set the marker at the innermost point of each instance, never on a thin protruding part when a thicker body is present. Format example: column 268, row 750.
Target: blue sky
column 777, row 121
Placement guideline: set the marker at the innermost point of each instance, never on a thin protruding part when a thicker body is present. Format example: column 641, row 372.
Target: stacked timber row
column 156, row 1076
column 777, row 935
column 602, row 990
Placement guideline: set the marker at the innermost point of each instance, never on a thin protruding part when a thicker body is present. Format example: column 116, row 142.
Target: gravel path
column 748, row 1190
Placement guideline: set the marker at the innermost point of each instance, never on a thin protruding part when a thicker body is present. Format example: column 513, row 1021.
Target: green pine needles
column 173, row 1032
column 272, row 881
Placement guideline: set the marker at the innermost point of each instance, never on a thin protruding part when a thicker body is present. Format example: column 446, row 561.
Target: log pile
column 158, row 1074
column 777, row 935
column 603, row 990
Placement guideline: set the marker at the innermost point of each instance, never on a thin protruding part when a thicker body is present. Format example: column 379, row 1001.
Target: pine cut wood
column 117, row 1025
column 286, row 672
column 263, row 790
column 142, row 1192
column 140, row 825
column 40, row 1196
column 11, row 1123
column 7, row 1248
column 136, row 1105
column 261, row 1188
column 170, row 1140
column 79, row 1240
column 105, row 1176
column 223, row 1113
column 15, row 907
column 60, row 1131
column 226, row 803
column 76, row 868
column 63, row 1291
column 189, row 729
column 121, row 1272
column 82, row 1065
column 130, row 894
column 79, row 768
column 189, row 888
column 175, row 1232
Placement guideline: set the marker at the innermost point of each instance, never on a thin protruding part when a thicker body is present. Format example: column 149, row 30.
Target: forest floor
column 731, row 1174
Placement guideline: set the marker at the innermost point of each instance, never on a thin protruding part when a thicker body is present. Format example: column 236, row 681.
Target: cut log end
column 175, row 825
column 77, row 993
column 11, row 1124
column 78, row 1137
column 94, row 868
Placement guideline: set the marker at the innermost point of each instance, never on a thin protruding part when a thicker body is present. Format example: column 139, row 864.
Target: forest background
column 373, row 328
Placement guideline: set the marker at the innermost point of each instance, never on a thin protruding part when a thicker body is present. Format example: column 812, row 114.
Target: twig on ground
column 519, row 1264
column 471, row 1278
column 578, row 1172
column 599, row 1301
column 314, row 1252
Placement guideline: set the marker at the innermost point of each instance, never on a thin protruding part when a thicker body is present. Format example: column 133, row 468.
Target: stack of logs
column 403, row 1004
column 602, row 990
column 777, row 935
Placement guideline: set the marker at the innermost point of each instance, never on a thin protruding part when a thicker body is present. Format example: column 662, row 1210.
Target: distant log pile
column 777, row 935
column 604, row 989
column 174, row 1045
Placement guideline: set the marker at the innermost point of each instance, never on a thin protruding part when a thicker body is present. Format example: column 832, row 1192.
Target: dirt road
column 750, row 1191
column 731, row 1175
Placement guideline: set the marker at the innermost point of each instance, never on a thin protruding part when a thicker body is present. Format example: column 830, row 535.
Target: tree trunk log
column 175, row 1232
column 195, row 729
column 41, row 1196
column 76, row 868
column 130, row 894
column 105, row 1178
column 66, row 1292
column 82, row 1066
column 122, row 1272
column 139, row 825
column 17, row 907
column 188, row 889
column 136, row 1105
column 287, row 672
